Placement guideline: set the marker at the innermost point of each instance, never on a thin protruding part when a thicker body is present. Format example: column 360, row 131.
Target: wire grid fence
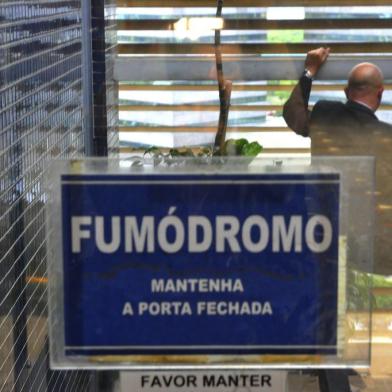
column 40, row 118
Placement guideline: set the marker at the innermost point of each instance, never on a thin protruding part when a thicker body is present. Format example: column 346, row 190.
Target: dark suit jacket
column 350, row 128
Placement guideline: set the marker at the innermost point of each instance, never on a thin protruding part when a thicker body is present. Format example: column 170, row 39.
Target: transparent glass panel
column 266, row 49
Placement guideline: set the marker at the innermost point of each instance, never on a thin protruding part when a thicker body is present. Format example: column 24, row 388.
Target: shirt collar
column 360, row 106
column 363, row 104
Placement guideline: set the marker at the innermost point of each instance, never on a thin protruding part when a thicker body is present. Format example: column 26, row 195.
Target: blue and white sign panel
column 200, row 264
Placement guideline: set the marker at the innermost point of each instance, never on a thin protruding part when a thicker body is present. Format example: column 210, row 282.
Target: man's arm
column 295, row 110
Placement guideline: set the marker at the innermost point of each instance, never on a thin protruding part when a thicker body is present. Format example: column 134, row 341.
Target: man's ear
column 346, row 91
column 379, row 93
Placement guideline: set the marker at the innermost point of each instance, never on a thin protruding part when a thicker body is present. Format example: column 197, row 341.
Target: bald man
column 350, row 128
column 363, row 91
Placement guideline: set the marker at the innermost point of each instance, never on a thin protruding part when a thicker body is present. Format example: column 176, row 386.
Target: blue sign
column 200, row 264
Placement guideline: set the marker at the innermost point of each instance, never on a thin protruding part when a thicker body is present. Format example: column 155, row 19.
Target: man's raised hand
column 315, row 59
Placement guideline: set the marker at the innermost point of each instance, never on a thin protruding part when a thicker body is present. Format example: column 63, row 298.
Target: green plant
column 232, row 148
column 241, row 147
column 359, row 290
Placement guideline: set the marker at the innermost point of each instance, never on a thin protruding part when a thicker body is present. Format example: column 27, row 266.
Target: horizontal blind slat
column 259, row 48
column 202, row 129
column 250, row 3
column 263, row 24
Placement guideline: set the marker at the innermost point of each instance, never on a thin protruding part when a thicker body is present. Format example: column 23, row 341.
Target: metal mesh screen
column 113, row 141
column 40, row 118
